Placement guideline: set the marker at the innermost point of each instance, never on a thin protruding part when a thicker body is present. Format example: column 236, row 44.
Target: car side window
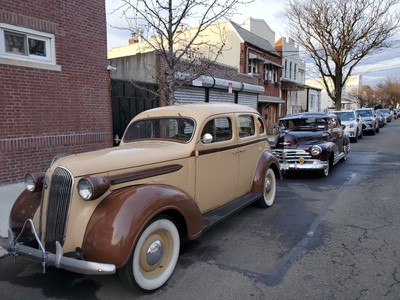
column 219, row 128
column 246, row 126
column 260, row 126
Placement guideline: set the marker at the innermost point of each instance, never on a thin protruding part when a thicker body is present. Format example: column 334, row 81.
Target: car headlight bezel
column 92, row 187
column 34, row 181
column 315, row 150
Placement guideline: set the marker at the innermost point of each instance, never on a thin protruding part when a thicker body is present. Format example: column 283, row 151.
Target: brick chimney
column 133, row 39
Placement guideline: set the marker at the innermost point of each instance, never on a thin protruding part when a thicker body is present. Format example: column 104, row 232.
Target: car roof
column 306, row 115
column 342, row 110
column 196, row 110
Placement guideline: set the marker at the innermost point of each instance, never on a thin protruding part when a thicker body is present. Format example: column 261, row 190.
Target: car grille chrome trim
column 291, row 155
column 61, row 184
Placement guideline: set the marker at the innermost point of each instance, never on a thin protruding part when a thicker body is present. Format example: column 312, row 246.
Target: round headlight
column 93, row 187
column 315, row 150
column 29, row 182
column 34, row 181
column 85, row 189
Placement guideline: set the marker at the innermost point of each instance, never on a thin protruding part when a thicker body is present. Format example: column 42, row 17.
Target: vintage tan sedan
column 177, row 171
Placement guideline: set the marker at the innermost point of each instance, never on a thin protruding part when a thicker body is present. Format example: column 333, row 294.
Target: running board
column 217, row 215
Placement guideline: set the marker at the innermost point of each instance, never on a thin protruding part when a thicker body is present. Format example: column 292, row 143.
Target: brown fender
column 24, row 208
column 267, row 160
column 117, row 222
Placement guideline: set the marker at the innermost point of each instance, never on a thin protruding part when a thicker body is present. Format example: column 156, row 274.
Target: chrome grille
column 291, row 155
column 58, row 207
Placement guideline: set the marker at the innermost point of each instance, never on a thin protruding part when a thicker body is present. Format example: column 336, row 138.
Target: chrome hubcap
column 154, row 253
column 267, row 187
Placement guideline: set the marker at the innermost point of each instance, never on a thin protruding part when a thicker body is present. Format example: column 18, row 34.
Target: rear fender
column 117, row 222
column 267, row 160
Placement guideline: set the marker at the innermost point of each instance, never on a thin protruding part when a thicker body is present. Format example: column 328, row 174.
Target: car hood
column 348, row 122
column 292, row 139
column 367, row 118
column 122, row 157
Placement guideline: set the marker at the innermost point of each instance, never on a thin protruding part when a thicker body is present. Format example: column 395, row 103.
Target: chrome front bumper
column 57, row 260
column 307, row 165
column 298, row 159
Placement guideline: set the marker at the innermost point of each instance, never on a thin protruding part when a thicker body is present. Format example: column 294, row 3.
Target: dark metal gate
column 129, row 99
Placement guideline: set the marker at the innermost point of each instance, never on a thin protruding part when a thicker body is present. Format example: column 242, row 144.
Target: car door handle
column 242, row 149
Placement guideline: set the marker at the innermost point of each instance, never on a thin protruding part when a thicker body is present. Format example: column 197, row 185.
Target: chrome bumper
column 314, row 165
column 50, row 259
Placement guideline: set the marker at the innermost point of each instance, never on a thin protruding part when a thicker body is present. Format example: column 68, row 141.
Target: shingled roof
column 254, row 39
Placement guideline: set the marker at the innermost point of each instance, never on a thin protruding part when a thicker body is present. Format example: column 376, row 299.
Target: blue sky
column 373, row 69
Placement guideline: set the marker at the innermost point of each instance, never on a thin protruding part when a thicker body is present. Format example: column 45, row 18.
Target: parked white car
column 369, row 120
column 353, row 123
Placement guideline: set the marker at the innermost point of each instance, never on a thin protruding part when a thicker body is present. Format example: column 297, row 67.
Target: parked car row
column 318, row 141
column 178, row 171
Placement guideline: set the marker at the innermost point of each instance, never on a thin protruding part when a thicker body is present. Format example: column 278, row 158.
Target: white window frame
column 48, row 61
column 271, row 73
column 253, row 66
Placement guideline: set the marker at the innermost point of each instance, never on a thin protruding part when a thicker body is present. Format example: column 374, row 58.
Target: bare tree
column 338, row 34
column 175, row 29
column 365, row 97
column 389, row 92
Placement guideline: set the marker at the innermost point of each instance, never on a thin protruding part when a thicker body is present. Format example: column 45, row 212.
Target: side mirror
column 207, row 138
column 343, row 126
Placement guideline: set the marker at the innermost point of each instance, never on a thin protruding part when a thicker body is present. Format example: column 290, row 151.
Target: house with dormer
column 248, row 49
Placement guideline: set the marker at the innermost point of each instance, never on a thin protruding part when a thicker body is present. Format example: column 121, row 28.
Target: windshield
column 365, row 113
column 163, row 128
column 304, row 124
column 384, row 110
column 345, row 116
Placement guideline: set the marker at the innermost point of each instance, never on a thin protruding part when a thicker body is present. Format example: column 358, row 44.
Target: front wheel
column 154, row 257
column 325, row 171
column 269, row 190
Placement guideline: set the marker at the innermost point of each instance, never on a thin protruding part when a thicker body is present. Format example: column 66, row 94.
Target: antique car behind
column 177, row 171
column 369, row 120
column 353, row 123
column 311, row 141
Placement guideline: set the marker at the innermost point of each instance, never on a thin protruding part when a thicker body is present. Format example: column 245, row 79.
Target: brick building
column 54, row 95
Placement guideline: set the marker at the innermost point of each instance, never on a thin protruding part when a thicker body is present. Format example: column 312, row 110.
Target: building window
column 23, row 44
column 253, row 66
column 286, row 67
column 271, row 73
column 295, row 72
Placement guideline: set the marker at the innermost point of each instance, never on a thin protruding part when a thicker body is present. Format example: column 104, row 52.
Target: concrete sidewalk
column 8, row 195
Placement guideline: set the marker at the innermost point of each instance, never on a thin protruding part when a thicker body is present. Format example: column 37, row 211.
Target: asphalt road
column 324, row 238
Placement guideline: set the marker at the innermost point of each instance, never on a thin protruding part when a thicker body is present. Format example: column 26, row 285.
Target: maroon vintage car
column 311, row 141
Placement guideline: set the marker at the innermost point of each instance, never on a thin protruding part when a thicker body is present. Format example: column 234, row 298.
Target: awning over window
column 220, row 83
column 270, row 62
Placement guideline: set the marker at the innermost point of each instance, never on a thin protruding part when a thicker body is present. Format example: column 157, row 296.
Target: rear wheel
column 269, row 190
column 154, row 257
